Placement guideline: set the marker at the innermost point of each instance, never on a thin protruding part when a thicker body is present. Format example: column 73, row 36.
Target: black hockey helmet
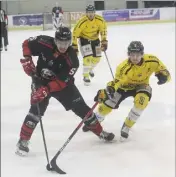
column 136, row 46
column 63, row 37
column 63, row 34
column 90, row 8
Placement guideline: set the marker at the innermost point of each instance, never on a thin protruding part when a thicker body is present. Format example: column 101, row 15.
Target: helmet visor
column 62, row 45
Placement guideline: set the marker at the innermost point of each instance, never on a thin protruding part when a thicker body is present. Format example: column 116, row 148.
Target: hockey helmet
column 135, row 51
column 90, row 12
column 90, row 8
column 136, row 46
column 63, row 38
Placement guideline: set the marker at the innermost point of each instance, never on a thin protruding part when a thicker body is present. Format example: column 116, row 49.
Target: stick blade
column 56, row 168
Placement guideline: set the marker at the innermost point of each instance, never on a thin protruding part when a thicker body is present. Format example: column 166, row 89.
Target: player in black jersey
column 54, row 77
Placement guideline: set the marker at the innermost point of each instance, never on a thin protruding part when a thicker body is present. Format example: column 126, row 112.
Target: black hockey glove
column 104, row 94
column 101, row 96
column 162, row 79
column 110, row 91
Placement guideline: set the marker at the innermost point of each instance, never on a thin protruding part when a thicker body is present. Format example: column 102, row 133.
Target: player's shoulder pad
column 81, row 21
column 150, row 58
column 72, row 51
column 100, row 18
column 73, row 57
column 47, row 41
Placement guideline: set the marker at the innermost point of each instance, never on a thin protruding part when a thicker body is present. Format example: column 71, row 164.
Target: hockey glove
column 105, row 94
column 28, row 66
column 110, row 88
column 110, row 91
column 101, row 96
column 104, row 45
column 75, row 47
column 162, row 77
column 39, row 95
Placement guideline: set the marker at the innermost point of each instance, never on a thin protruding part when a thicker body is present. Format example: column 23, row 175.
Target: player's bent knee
column 104, row 110
column 144, row 88
column 80, row 109
column 87, row 60
column 141, row 101
column 95, row 60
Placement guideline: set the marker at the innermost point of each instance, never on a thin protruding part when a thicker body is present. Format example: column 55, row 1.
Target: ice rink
column 150, row 150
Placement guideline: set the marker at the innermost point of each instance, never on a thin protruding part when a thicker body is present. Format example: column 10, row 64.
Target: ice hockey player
column 4, row 30
column 88, row 29
column 57, row 63
column 58, row 18
column 131, row 79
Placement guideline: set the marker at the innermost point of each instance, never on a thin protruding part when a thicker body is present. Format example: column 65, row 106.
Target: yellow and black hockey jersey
column 90, row 29
column 128, row 75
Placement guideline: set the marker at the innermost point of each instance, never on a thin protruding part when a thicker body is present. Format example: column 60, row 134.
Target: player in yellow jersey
column 131, row 79
column 87, row 30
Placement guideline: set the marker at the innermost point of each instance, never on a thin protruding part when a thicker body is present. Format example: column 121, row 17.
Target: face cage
column 62, row 46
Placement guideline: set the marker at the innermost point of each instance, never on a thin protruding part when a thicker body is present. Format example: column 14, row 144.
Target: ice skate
column 86, row 81
column 85, row 129
column 91, row 73
column 106, row 136
column 124, row 132
column 22, row 147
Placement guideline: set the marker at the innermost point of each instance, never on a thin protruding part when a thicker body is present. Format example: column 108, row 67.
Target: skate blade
column 86, row 84
column 122, row 139
column 108, row 141
column 21, row 153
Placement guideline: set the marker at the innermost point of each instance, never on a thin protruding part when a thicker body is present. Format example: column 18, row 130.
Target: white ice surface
column 150, row 150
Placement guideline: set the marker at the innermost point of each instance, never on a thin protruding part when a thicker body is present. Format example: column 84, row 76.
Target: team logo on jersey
column 50, row 63
column 43, row 57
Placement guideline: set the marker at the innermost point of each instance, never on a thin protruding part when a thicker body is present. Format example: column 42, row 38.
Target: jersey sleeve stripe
column 47, row 45
column 128, row 70
column 82, row 23
column 99, row 19
column 152, row 61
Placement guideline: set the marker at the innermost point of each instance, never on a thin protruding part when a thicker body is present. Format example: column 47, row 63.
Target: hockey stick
column 49, row 168
column 53, row 161
column 109, row 64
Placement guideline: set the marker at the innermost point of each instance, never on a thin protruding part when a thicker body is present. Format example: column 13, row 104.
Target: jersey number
column 72, row 71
